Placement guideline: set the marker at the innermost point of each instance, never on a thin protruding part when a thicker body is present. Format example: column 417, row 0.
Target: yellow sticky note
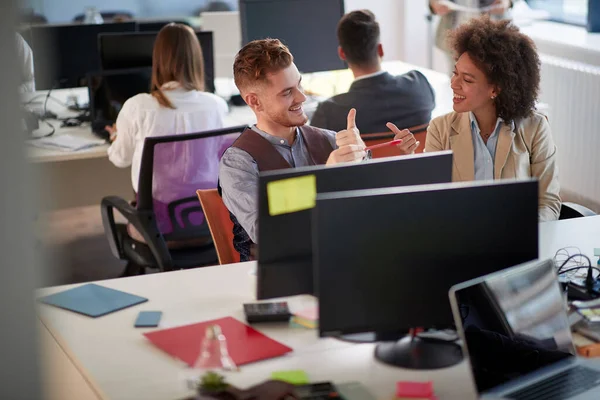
column 296, row 377
column 292, row 194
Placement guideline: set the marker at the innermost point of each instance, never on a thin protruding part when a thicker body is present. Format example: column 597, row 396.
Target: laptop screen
column 513, row 323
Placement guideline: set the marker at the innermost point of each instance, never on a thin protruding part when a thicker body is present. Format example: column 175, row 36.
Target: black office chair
column 573, row 210
column 166, row 229
column 108, row 16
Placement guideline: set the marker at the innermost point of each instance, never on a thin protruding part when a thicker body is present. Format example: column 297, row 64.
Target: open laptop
column 109, row 90
column 516, row 336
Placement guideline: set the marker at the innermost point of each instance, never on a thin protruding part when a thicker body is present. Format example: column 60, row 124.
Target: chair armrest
column 143, row 221
column 584, row 211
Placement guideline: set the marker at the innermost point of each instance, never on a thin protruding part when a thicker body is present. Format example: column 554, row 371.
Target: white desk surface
column 236, row 116
column 324, row 84
column 125, row 366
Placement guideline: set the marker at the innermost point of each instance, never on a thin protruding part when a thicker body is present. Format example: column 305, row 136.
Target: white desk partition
column 227, row 39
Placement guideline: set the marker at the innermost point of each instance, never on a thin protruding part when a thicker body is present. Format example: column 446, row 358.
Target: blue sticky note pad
column 92, row 300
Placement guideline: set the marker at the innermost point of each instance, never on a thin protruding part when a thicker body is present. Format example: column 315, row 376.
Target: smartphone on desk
column 148, row 319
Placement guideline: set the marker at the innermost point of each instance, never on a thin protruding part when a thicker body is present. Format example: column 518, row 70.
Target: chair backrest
column 219, row 222
column 172, row 169
column 574, row 210
column 370, row 139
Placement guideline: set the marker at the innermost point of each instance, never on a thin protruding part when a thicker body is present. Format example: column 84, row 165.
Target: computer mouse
column 71, row 122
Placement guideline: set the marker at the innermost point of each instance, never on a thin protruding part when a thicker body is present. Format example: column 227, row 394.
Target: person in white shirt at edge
column 27, row 84
column 176, row 104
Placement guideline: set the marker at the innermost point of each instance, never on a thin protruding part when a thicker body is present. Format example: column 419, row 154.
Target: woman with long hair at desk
column 177, row 103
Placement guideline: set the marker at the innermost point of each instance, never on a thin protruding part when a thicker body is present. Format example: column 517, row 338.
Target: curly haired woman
column 494, row 130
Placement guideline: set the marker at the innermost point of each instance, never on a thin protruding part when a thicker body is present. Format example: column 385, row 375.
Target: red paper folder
column 245, row 344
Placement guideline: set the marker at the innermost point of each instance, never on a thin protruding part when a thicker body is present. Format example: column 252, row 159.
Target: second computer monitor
column 314, row 48
column 134, row 50
column 284, row 241
column 64, row 54
column 385, row 259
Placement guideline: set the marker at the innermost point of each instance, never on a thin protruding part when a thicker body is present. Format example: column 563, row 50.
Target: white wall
column 415, row 32
column 405, row 33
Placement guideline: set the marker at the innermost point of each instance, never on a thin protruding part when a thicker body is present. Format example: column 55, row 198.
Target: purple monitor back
column 179, row 169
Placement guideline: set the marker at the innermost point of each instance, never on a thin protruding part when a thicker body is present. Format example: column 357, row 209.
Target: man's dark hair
column 508, row 59
column 358, row 35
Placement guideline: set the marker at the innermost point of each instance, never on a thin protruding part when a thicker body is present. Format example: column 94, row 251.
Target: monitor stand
column 370, row 337
column 413, row 352
column 367, row 337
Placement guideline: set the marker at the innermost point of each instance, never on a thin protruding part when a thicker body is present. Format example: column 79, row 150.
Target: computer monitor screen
column 108, row 90
column 134, row 50
column 307, row 27
column 64, row 54
column 514, row 325
column 155, row 26
column 285, row 257
column 385, row 259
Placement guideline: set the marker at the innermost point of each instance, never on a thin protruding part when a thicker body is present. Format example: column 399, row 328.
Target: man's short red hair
column 259, row 58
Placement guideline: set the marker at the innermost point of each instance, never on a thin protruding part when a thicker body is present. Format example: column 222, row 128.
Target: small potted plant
column 214, row 386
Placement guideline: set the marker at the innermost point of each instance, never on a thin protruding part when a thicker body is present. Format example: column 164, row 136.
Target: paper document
column 66, row 142
column 458, row 7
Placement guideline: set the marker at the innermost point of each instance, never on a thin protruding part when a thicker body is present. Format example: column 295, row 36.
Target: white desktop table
column 82, row 178
column 119, row 362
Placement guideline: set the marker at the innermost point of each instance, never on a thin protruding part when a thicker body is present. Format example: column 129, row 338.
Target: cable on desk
column 47, row 134
column 34, row 99
column 579, row 265
column 564, row 259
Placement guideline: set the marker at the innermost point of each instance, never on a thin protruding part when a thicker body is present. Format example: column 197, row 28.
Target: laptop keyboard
column 569, row 383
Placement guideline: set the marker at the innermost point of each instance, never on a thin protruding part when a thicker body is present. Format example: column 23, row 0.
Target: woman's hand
column 409, row 143
column 500, row 6
column 439, row 9
column 112, row 130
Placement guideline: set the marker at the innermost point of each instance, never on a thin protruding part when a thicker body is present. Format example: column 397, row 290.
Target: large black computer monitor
column 285, row 257
column 155, row 26
column 108, row 90
column 307, row 27
column 390, row 269
column 134, row 50
column 64, row 54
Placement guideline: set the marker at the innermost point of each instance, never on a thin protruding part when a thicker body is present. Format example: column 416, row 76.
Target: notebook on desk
column 66, row 142
column 515, row 329
column 92, row 300
column 244, row 343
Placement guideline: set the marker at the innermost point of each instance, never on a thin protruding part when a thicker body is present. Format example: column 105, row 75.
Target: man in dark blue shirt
column 378, row 97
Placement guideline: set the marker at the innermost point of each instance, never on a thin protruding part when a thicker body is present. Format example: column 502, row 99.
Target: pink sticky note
column 310, row 313
column 419, row 390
